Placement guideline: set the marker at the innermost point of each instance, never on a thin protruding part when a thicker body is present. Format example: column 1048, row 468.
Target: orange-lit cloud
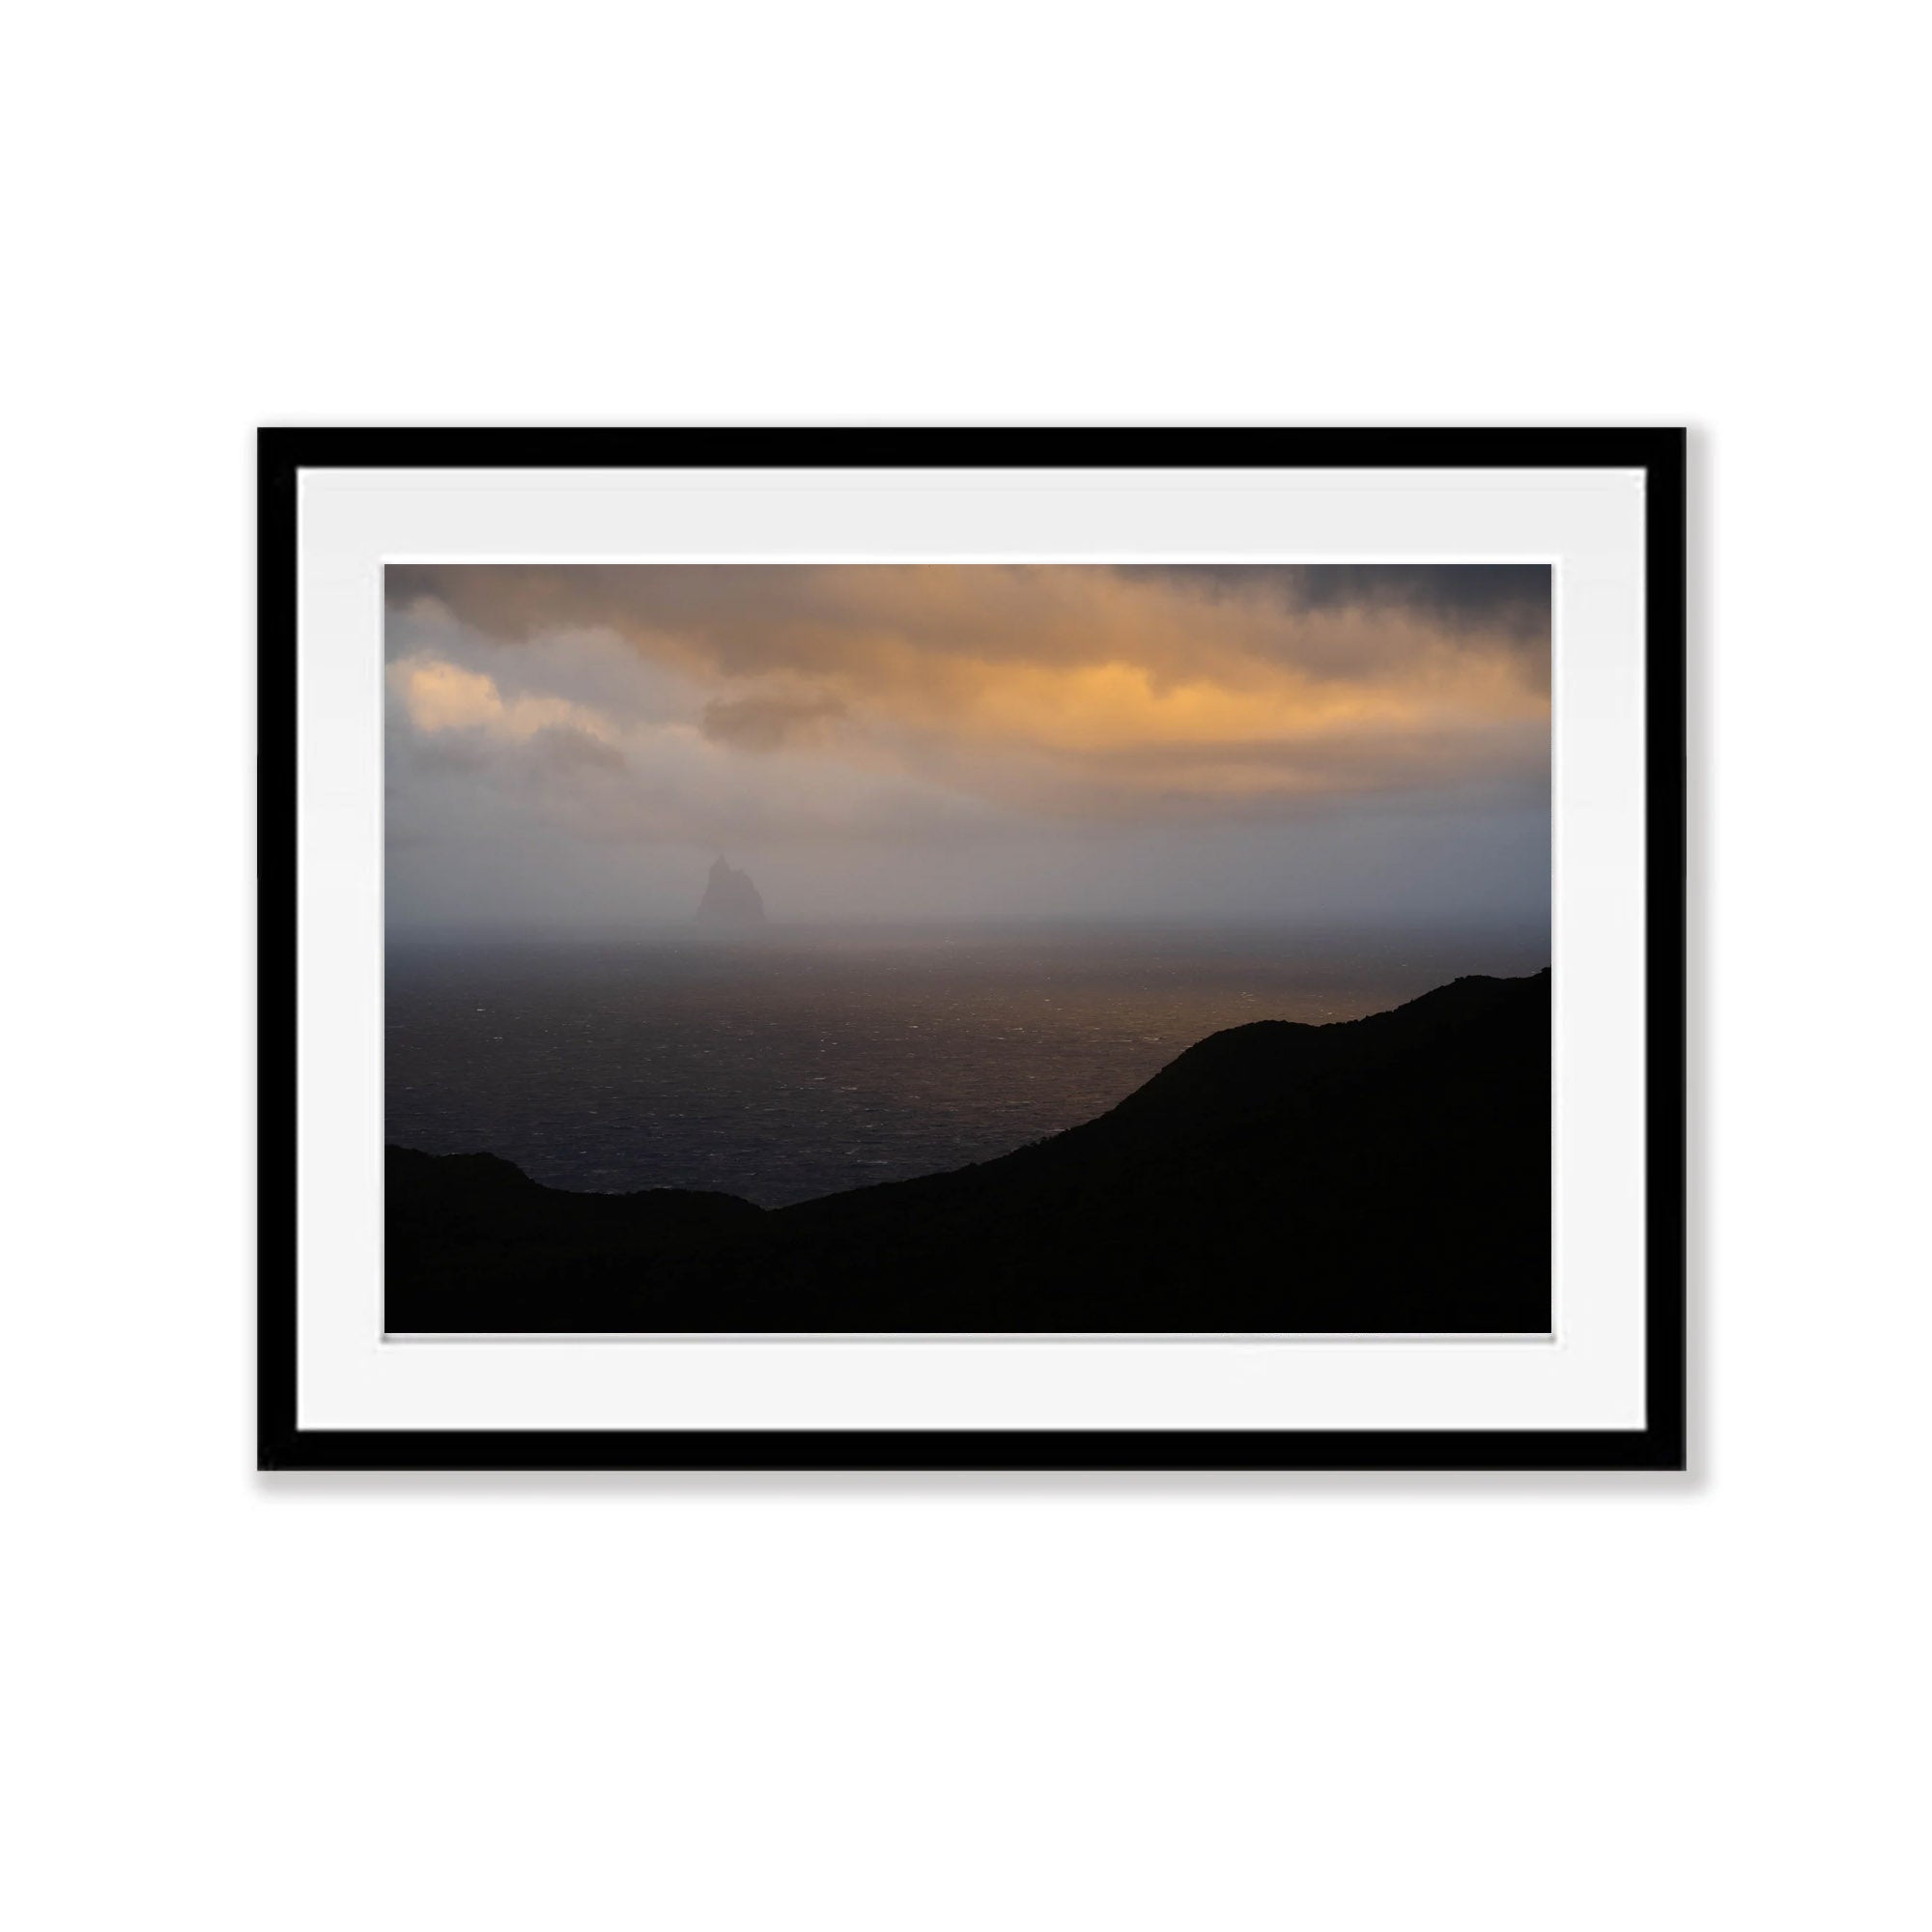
column 440, row 697
column 1073, row 689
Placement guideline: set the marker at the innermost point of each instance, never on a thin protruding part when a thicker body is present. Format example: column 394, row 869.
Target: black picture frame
column 1660, row 1444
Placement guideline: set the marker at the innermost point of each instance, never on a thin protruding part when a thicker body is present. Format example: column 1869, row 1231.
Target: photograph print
column 967, row 949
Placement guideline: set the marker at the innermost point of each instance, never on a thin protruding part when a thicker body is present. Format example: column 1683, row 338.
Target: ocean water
column 799, row 1063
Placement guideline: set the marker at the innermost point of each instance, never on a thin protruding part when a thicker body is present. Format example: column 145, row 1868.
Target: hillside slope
column 1384, row 1174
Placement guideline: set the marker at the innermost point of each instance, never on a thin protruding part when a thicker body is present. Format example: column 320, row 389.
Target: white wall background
column 1335, row 1704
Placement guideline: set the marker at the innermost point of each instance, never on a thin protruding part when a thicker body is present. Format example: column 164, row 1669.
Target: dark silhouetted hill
column 1386, row 1174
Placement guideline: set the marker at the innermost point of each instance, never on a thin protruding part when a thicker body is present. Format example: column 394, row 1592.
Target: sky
column 569, row 747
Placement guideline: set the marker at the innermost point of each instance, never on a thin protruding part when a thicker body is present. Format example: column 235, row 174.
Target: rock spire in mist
column 730, row 901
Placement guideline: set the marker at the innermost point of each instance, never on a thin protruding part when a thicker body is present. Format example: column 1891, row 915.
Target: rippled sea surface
column 797, row 1064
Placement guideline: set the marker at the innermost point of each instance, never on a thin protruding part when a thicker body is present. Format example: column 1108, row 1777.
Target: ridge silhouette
column 1383, row 1174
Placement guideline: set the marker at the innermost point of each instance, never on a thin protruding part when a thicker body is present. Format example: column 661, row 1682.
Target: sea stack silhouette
column 730, row 901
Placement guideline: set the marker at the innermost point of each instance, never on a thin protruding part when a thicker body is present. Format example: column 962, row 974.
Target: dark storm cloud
column 1508, row 599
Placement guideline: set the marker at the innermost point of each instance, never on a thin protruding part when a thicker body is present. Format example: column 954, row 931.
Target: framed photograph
column 972, row 948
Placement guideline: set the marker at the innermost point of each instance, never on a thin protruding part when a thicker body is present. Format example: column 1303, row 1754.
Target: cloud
column 900, row 622
column 763, row 723
column 1075, row 692
column 440, row 697
column 567, row 747
column 1508, row 599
